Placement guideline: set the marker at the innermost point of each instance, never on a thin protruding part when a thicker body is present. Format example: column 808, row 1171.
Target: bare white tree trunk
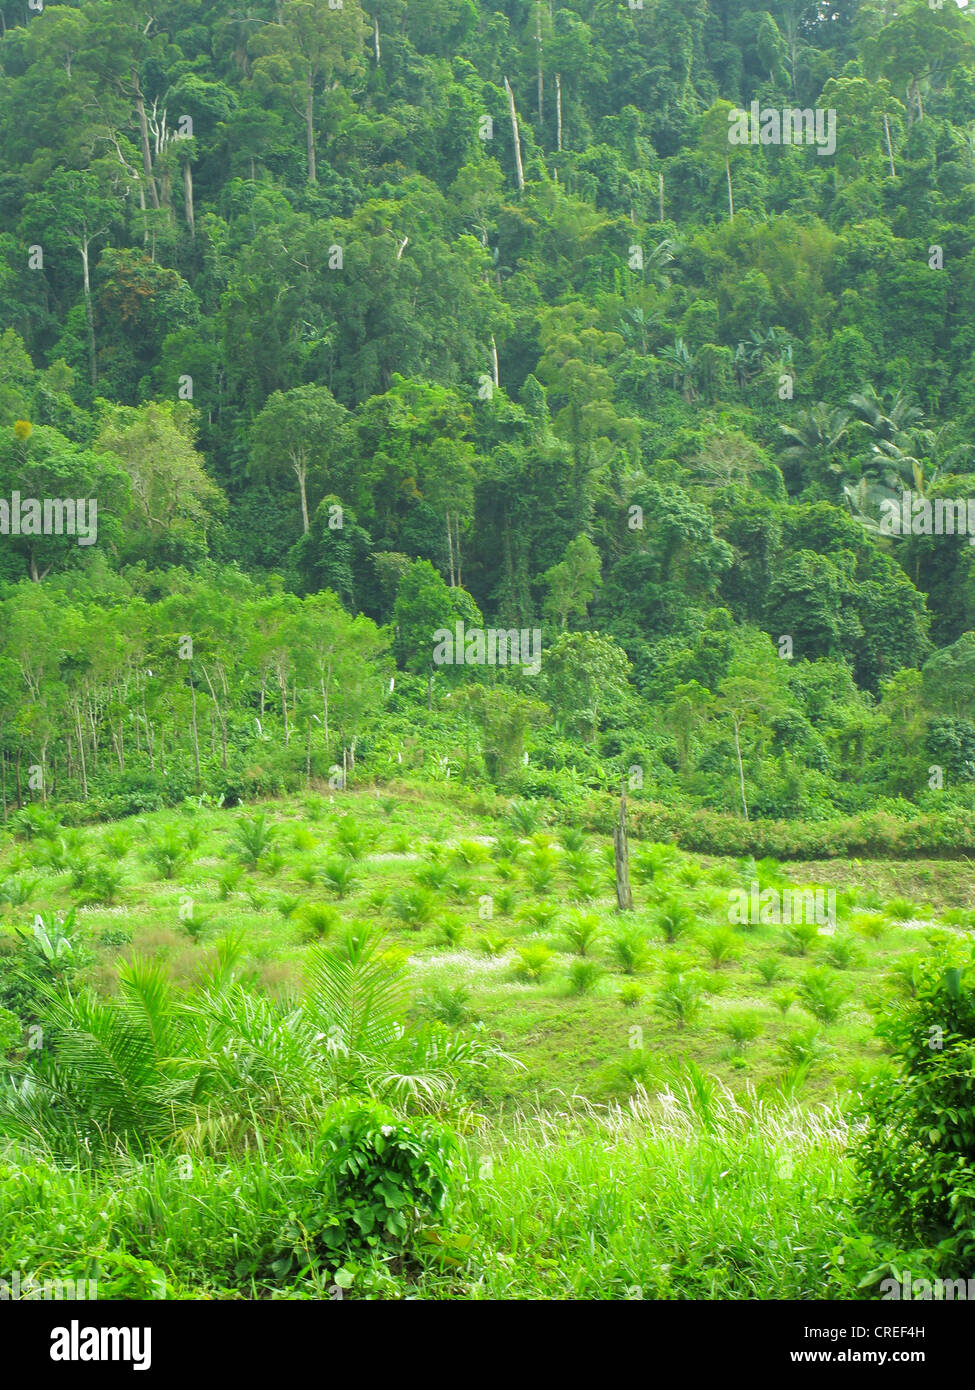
column 516, row 138
column 890, row 148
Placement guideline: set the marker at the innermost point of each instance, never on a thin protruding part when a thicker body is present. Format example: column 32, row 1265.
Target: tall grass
column 688, row 1193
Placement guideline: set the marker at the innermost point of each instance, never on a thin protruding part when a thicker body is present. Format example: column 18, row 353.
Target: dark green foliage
column 374, row 1181
column 917, row 1156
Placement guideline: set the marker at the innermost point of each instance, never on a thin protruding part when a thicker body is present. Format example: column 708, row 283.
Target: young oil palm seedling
column 505, row 900
column 308, row 871
column 318, row 919
column 492, row 943
column 413, row 906
column 272, row 863
column 193, row 835
column 432, row 875
column 800, row 938
column 577, row 863
column 823, row 995
column 461, row 887
column 523, row 816
column 450, row 930
column 581, row 932
column 572, row 839
column 252, row 838
column 722, row 946
column 352, row 838
column 117, row 841
column 301, row 838
column 339, row 876
column 447, row 1004
column 194, row 924
column 630, row 949
column 507, row 845
column 585, row 889
column 99, row 883
column 902, row 910
column 18, row 890
column 768, row 969
column 743, row 1026
column 783, row 999
column 673, row 918
column 377, row 898
column 636, row 1067
column 872, row 925
column 538, row 915
column 584, row 976
column 533, row 961
column 652, row 861
column 842, row 952
column 805, row 1047
column 228, row 880
column 679, row 999
column 470, row 852
column 168, row 852
column 541, row 876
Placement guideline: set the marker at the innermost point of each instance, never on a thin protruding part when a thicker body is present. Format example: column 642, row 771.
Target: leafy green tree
column 572, row 583
column 301, row 430
column 584, row 673
column 299, row 56
column 173, row 500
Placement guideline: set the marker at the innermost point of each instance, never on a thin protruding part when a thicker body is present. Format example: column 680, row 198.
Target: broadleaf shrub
column 917, row 1151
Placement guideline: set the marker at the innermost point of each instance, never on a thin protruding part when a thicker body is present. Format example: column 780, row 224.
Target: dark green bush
column 375, row 1182
column 917, row 1152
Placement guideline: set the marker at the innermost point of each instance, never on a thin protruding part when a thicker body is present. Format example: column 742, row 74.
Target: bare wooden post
column 621, row 853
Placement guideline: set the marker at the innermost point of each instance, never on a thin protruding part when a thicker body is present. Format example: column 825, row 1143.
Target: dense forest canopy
column 362, row 320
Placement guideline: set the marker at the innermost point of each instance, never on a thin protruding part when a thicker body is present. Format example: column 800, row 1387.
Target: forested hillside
column 487, row 649
column 280, row 289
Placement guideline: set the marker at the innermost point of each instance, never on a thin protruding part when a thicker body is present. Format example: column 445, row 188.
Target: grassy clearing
column 664, row 1116
column 512, row 931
